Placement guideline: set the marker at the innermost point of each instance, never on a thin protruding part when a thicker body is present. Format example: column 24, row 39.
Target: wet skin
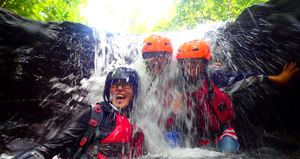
column 121, row 94
column 193, row 66
column 157, row 62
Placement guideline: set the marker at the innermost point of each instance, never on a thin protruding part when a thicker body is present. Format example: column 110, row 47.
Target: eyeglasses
column 152, row 55
column 192, row 61
column 125, row 85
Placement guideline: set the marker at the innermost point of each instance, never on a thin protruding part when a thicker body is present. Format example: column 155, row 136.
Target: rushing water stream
column 112, row 51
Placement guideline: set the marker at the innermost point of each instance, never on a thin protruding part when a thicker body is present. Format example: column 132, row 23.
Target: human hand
column 176, row 104
column 286, row 76
column 217, row 65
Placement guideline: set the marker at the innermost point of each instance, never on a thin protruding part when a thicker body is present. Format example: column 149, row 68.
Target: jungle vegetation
column 184, row 14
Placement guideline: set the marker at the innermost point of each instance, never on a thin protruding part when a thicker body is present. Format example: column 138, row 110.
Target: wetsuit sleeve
column 67, row 136
column 230, row 82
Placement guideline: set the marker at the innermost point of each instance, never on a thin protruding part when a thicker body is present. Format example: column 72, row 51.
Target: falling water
column 125, row 50
column 114, row 50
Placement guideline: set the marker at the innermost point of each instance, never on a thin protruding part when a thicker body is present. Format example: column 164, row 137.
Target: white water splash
column 119, row 49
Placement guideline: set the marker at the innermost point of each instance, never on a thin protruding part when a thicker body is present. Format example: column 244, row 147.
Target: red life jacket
column 214, row 116
column 121, row 133
column 126, row 135
column 125, row 141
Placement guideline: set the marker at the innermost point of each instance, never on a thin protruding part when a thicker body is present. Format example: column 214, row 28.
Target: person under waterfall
column 204, row 95
column 102, row 130
column 157, row 53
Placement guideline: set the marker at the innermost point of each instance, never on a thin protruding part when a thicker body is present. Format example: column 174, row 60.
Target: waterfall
column 57, row 72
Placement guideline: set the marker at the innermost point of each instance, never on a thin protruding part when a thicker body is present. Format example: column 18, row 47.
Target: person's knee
column 228, row 145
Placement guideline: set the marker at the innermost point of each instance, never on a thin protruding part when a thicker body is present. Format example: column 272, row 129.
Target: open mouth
column 120, row 98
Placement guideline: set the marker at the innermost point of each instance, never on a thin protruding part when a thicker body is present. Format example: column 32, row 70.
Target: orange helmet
column 194, row 49
column 157, row 43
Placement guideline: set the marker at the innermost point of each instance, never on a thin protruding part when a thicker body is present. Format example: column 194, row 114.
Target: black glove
column 32, row 154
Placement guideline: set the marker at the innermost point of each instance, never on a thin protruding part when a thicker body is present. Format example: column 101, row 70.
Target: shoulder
column 87, row 110
column 105, row 108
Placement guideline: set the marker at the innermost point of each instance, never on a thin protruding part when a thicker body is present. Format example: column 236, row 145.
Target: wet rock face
column 32, row 53
column 263, row 39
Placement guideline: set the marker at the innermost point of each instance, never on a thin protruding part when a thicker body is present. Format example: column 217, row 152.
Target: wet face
column 193, row 66
column 121, row 93
column 157, row 62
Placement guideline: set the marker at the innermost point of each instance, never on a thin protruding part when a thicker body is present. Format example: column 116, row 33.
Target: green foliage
column 48, row 10
column 188, row 13
column 138, row 25
column 140, row 22
column 184, row 14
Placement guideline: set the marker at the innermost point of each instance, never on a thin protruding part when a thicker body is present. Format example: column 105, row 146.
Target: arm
column 62, row 140
column 217, row 65
column 286, row 75
column 230, row 82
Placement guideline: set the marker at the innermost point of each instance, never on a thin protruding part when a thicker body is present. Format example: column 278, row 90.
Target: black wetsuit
column 72, row 134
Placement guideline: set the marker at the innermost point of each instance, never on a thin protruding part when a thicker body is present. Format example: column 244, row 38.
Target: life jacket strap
column 97, row 134
column 93, row 128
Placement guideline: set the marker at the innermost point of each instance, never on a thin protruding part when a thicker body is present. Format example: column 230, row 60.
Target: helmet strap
column 113, row 107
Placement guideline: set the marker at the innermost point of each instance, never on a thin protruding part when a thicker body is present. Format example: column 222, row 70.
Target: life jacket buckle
column 83, row 141
column 93, row 122
column 98, row 110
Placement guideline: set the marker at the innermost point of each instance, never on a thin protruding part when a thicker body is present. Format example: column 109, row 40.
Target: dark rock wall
column 263, row 39
column 32, row 53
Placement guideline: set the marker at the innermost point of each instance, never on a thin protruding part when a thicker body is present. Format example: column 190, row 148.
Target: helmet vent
column 167, row 43
column 149, row 43
column 195, row 50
